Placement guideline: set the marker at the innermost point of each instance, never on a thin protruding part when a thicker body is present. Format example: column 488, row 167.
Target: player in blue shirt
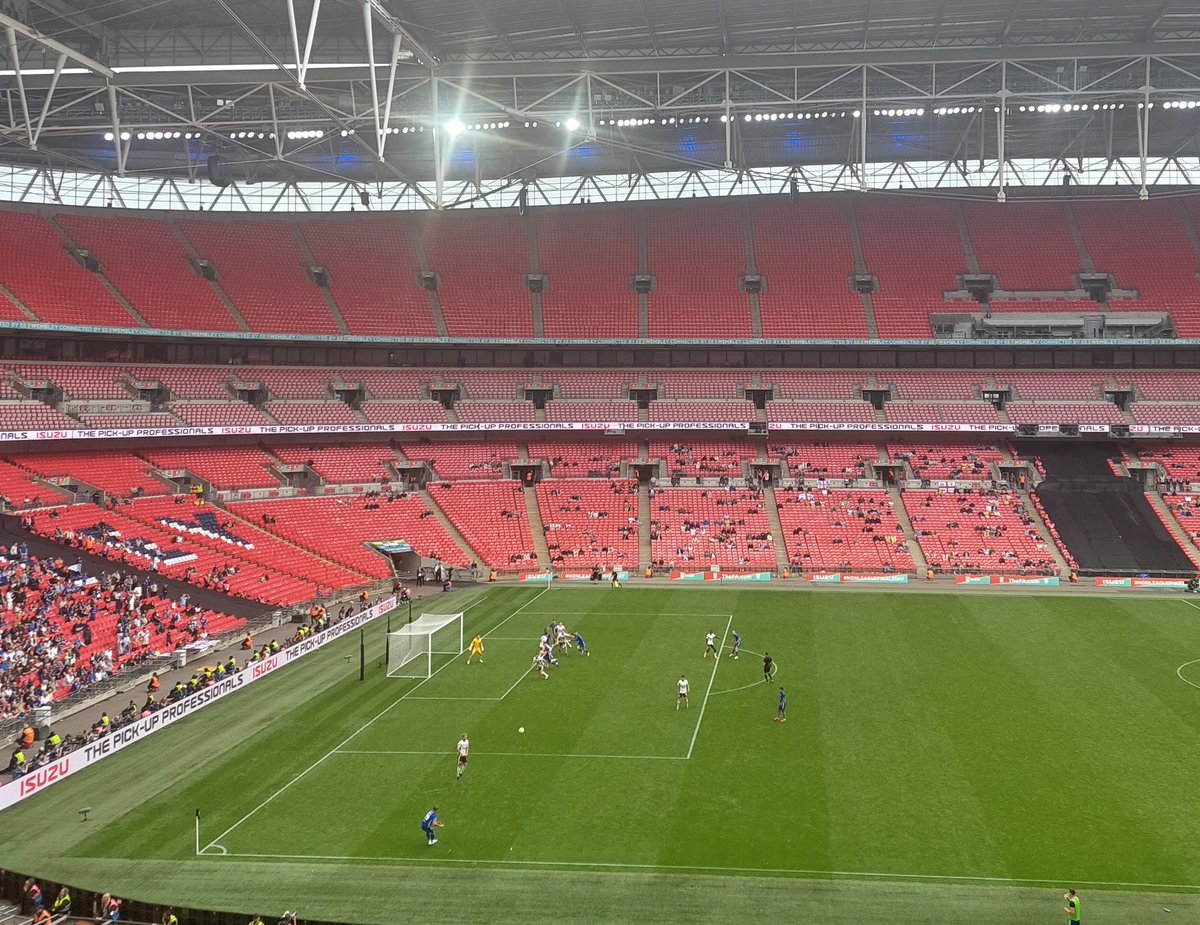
column 736, row 651
column 781, row 713
column 429, row 823
column 581, row 645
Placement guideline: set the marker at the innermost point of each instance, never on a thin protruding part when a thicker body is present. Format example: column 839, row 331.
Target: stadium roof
column 360, row 89
column 458, row 30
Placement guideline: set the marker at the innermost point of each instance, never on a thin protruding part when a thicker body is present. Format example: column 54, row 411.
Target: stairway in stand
column 645, row 556
column 1171, row 522
column 910, row 535
column 451, row 530
column 779, row 540
column 537, row 529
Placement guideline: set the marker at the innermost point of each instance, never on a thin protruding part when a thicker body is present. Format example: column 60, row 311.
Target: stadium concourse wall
column 38, row 780
column 159, row 433
column 86, row 905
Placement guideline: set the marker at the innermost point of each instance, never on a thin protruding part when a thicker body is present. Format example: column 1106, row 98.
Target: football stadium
column 636, row 461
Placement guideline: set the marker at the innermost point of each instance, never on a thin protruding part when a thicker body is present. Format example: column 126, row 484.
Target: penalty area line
column 623, row 613
column 370, row 722
column 704, row 868
column 483, row 756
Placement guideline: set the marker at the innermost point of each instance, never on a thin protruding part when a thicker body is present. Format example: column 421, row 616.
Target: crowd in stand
column 982, row 536
column 1187, row 509
column 686, row 460
column 966, row 466
column 595, row 550
column 24, row 759
column 54, row 621
column 802, row 469
column 846, row 511
column 709, row 539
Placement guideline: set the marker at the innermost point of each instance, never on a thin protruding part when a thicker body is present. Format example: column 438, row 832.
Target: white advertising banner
column 1152, row 430
column 168, row 433
column 38, row 780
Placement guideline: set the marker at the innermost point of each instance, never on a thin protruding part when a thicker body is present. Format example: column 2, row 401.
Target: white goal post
column 412, row 647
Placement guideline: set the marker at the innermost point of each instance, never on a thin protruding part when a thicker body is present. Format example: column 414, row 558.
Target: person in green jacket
column 1072, row 906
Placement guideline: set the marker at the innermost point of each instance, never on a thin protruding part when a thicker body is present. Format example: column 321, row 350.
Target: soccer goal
column 412, row 647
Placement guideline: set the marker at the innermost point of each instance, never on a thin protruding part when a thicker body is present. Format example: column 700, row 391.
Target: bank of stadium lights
column 956, row 110
column 670, row 120
column 391, row 130
column 250, row 136
column 154, row 136
column 1179, row 104
column 792, row 116
column 898, row 112
column 1055, row 108
column 455, row 127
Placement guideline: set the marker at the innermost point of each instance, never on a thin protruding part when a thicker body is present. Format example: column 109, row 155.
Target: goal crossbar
column 412, row 647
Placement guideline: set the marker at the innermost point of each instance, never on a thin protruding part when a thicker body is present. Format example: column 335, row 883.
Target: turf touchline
column 369, row 722
column 863, row 874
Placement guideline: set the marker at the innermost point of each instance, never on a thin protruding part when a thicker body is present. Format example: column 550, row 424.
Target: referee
column 768, row 668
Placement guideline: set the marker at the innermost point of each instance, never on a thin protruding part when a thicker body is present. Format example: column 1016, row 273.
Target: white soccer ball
column 521, row 730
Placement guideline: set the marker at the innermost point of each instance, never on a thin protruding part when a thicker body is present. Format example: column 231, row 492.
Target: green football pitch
column 945, row 756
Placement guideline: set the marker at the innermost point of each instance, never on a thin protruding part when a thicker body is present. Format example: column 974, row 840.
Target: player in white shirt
column 710, row 644
column 683, row 692
column 539, row 661
column 464, row 748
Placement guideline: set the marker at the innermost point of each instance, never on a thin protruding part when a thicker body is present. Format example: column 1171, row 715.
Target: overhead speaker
column 216, row 171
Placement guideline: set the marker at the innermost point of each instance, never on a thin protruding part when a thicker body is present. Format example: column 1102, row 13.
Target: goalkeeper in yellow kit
column 476, row 649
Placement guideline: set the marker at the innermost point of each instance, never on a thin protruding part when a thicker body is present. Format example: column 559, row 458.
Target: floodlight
column 455, row 127
column 572, row 124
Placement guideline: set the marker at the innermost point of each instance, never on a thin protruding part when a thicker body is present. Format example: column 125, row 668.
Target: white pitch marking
column 369, row 722
column 708, row 692
column 442, row 754
column 624, row 613
column 524, row 675
column 746, row 687
column 861, row 874
column 1179, row 673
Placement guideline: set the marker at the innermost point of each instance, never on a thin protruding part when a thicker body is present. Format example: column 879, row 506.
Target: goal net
column 411, row 649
